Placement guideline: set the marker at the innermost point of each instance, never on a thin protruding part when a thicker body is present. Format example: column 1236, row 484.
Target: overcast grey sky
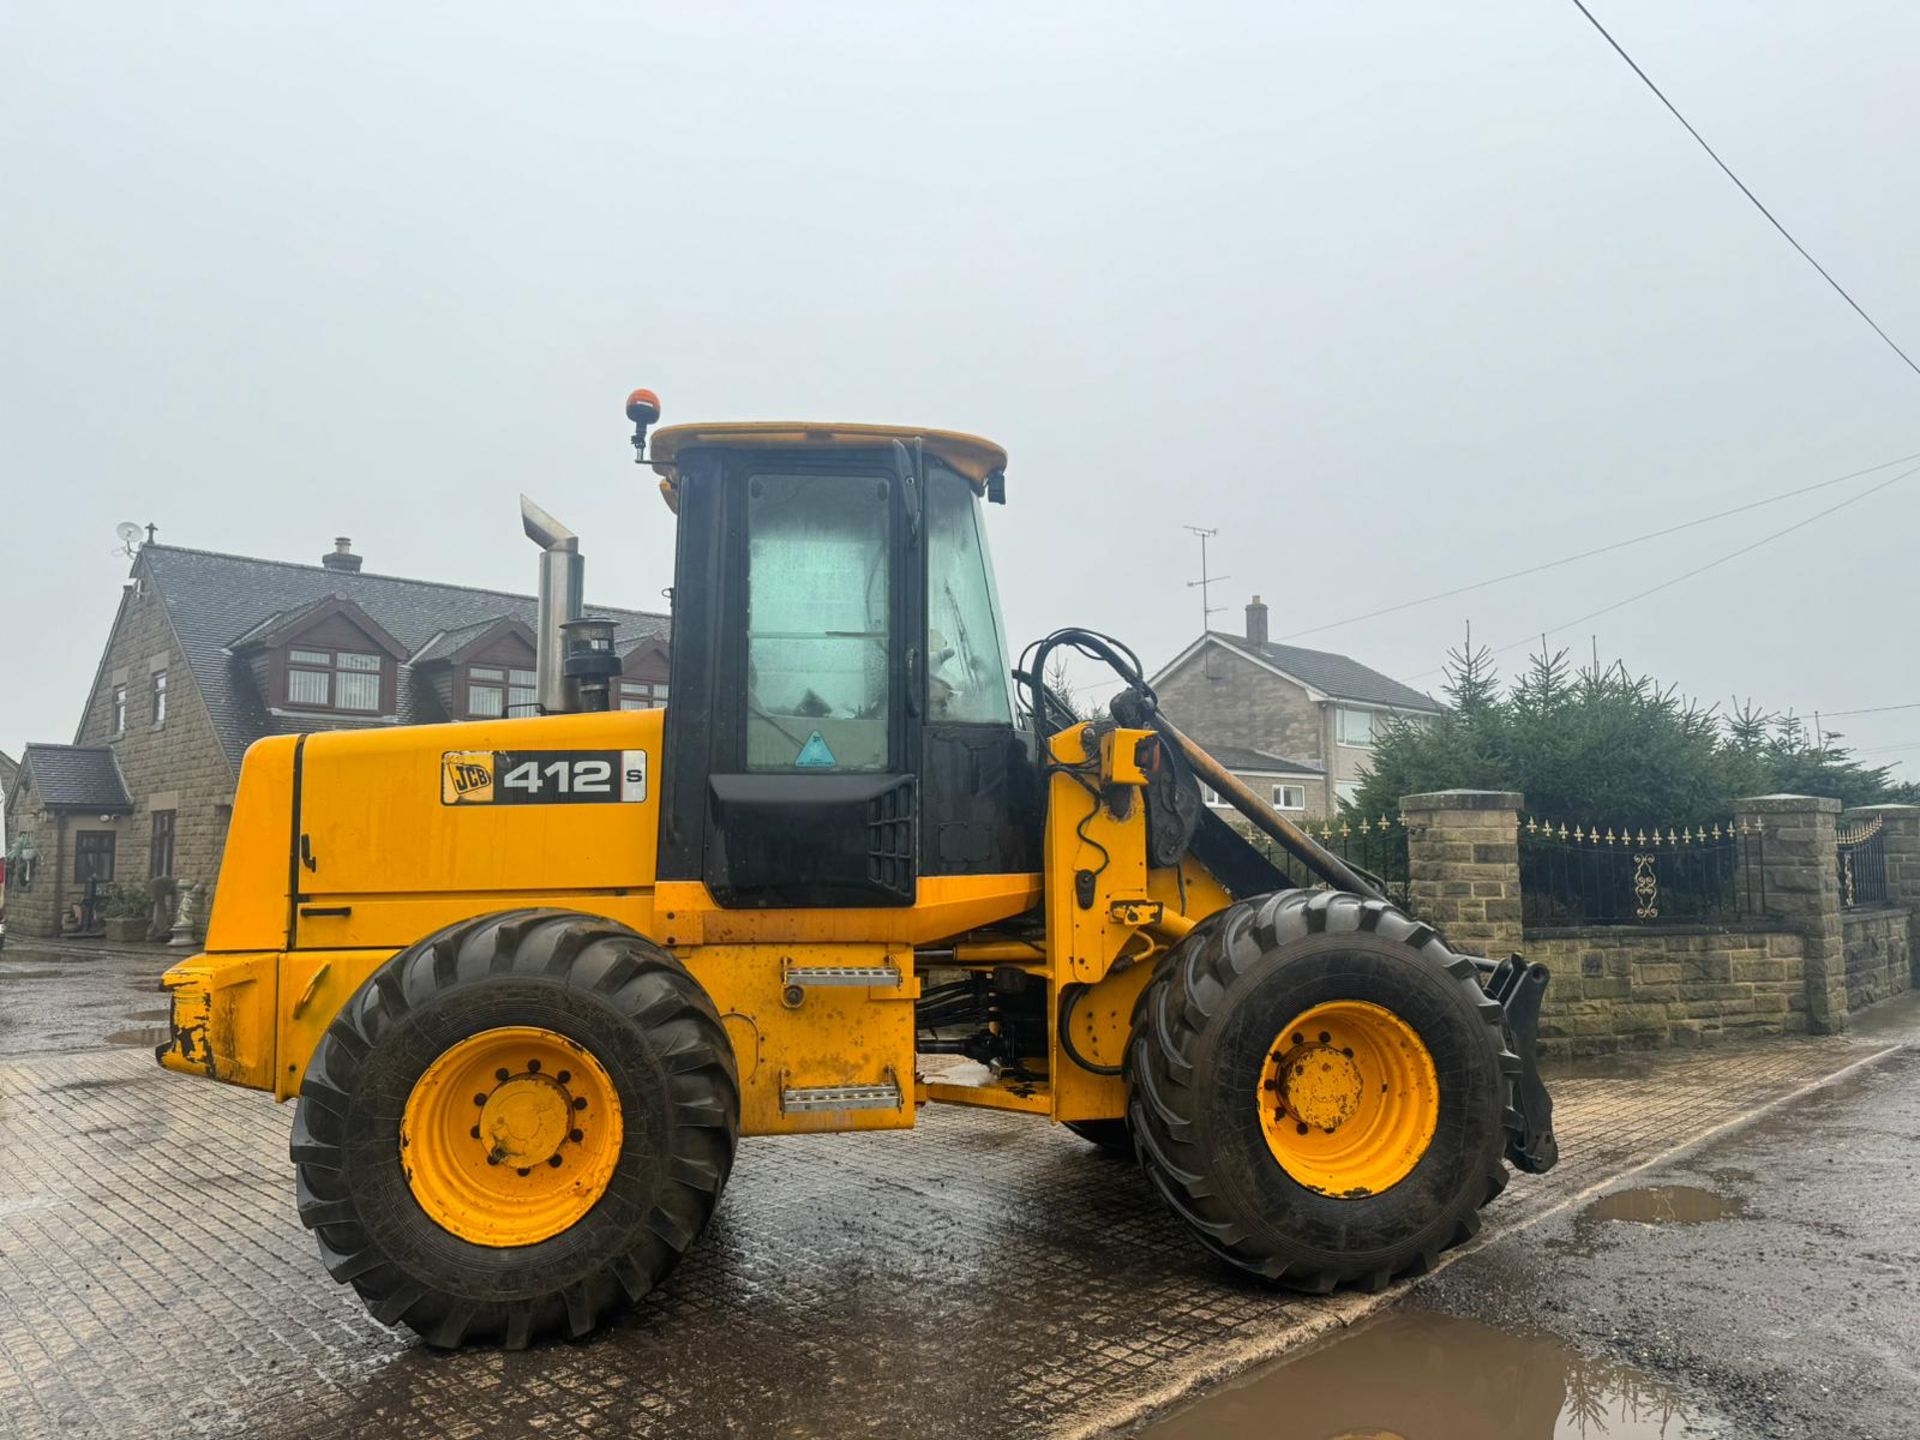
column 1394, row 295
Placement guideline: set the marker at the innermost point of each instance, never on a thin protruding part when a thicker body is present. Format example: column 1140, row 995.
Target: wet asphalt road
column 976, row 1277
column 59, row 1001
column 1796, row 1315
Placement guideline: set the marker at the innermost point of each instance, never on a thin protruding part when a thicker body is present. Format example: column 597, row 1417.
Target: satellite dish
column 129, row 534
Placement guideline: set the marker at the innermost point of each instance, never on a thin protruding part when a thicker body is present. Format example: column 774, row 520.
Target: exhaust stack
column 562, row 587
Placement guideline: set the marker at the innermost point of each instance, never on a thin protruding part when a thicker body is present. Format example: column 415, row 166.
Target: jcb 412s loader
column 532, row 978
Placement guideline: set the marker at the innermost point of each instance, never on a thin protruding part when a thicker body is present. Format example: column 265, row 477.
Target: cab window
column 818, row 622
column 967, row 676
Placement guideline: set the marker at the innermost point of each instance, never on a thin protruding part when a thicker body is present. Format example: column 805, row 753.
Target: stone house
column 210, row 652
column 1315, row 708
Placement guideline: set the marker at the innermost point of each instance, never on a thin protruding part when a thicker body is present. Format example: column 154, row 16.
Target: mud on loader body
column 531, row 979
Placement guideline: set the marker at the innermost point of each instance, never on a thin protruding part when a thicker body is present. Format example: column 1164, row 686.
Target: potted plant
column 128, row 909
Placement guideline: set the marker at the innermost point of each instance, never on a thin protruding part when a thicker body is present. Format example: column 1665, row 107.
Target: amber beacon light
column 643, row 409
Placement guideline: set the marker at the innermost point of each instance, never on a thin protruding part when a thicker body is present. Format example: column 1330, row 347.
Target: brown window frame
column 333, row 670
column 158, row 684
column 654, row 698
column 87, row 853
column 160, row 845
column 119, row 709
column 505, row 684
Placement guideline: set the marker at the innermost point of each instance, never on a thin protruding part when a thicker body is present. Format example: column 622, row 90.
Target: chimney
column 1257, row 621
column 343, row 558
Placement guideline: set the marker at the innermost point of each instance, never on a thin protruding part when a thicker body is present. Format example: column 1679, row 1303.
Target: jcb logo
column 466, row 777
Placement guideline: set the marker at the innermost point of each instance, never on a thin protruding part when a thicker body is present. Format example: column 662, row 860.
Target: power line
column 1597, row 550
column 1870, row 710
column 1728, row 172
column 1746, row 549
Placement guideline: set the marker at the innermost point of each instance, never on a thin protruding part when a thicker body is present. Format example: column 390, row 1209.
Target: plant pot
column 126, row 929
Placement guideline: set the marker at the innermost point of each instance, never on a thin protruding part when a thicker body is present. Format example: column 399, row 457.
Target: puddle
column 1665, row 1205
column 1421, row 1376
column 147, row 1035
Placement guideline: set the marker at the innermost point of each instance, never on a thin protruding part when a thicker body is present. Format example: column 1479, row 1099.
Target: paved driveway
column 983, row 1275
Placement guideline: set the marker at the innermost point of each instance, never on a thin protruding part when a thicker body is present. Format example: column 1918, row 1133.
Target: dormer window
column 333, row 680
column 498, row 690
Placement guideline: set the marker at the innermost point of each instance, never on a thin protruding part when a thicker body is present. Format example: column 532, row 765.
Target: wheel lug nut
column 1304, row 1127
column 475, row 1132
column 576, row 1136
column 533, row 1067
column 554, row 1160
column 522, row 1169
column 564, row 1076
column 1298, row 1038
column 493, row 1159
column 579, row 1102
column 1325, row 1037
column 501, row 1073
column 480, row 1100
column 1348, row 1052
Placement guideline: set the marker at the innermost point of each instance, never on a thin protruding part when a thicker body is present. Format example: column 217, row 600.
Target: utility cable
column 1600, row 550
column 1728, row 172
column 1731, row 555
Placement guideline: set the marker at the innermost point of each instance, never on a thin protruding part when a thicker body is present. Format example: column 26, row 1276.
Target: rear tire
column 1203, row 1032
column 591, row 985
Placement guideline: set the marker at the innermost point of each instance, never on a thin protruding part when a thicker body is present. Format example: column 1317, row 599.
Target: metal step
column 863, row 975
column 841, row 1097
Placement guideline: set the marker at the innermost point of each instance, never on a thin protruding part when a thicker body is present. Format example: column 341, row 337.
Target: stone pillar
column 1801, row 886
column 1463, row 867
column 1900, row 835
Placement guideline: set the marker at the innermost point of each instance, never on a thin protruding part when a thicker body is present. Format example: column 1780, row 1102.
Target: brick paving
column 982, row 1275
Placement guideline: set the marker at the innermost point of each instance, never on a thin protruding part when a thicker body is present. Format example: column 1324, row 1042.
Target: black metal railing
column 1377, row 846
column 1862, row 856
column 1577, row 874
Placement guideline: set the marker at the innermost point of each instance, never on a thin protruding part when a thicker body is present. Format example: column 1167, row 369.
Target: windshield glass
column 966, row 651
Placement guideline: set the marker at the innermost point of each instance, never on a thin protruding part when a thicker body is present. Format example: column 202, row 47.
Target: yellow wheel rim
column 1348, row 1099
column 511, row 1136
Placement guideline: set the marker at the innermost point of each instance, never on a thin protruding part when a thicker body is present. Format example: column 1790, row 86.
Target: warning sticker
column 815, row 755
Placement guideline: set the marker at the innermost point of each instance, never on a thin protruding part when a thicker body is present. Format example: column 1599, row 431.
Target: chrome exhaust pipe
column 562, row 589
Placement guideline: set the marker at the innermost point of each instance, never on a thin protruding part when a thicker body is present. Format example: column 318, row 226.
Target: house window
column 495, row 690
column 159, row 698
column 333, row 680
column 642, row 694
column 1212, row 797
column 1347, row 791
column 119, row 709
column 1289, row 797
column 93, row 856
column 160, row 848
column 1356, row 727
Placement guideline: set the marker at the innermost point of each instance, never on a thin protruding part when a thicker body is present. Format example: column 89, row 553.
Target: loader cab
column 842, row 720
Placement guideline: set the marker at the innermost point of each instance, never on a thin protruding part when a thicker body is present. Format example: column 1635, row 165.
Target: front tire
column 1320, row 1089
column 515, row 1127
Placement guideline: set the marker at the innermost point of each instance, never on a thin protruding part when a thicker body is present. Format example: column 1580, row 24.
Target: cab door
column 793, row 772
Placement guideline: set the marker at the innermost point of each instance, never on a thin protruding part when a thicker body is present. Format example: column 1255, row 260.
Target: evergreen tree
column 1607, row 745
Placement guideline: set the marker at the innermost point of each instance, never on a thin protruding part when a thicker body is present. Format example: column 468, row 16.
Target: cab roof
column 969, row 455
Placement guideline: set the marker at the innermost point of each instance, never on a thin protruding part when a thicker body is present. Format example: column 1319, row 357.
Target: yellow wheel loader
column 530, row 979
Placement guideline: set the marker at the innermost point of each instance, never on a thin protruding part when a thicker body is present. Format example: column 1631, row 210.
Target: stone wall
column 1879, row 954
column 1799, row 962
column 1463, row 867
column 1618, row 987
